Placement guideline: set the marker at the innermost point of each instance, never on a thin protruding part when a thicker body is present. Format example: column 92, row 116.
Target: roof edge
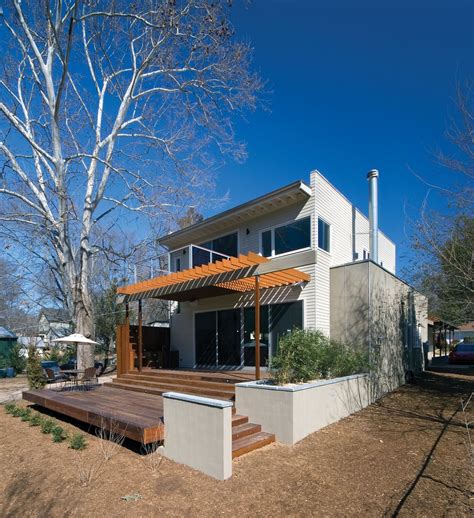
column 212, row 219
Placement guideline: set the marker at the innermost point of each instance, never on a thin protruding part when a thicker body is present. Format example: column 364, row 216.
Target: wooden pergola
column 245, row 273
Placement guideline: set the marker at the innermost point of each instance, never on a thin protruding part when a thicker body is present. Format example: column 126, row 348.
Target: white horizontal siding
column 349, row 230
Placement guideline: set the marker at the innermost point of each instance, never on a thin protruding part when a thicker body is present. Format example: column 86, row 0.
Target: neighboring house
column 53, row 323
column 27, row 341
column 7, row 340
column 465, row 332
column 291, row 224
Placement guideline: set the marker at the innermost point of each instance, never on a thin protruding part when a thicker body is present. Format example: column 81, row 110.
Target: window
column 267, row 243
column 226, row 245
column 286, row 238
column 323, row 235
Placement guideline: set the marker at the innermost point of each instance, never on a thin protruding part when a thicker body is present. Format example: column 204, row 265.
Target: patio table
column 73, row 374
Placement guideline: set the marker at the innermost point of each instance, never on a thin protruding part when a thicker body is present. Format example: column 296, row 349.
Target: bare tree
column 110, row 111
column 444, row 238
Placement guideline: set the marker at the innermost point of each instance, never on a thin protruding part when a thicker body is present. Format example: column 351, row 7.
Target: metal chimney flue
column 372, row 177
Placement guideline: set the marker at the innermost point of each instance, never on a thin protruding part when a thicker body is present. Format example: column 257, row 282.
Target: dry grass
column 405, row 454
column 110, row 438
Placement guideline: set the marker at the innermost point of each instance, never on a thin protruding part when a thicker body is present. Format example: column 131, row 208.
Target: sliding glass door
column 219, row 341
column 217, row 336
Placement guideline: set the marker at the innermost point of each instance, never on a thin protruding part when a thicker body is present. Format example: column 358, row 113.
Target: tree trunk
column 83, row 317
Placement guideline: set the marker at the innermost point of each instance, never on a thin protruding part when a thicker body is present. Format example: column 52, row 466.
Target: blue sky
column 355, row 85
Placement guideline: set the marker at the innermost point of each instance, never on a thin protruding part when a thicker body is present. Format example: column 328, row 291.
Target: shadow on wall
column 376, row 310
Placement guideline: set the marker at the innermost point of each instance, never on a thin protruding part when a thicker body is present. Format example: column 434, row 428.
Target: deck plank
column 138, row 417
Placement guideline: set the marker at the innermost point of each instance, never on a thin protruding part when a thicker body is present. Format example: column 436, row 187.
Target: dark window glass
column 200, row 256
column 226, row 245
column 294, row 236
column 249, row 336
column 283, row 319
column 205, row 336
column 323, row 235
column 228, row 337
column 267, row 243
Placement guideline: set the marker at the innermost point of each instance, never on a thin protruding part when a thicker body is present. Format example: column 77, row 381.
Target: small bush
column 47, row 425
column 77, row 441
column 17, row 358
column 25, row 414
column 36, row 419
column 34, row 371
column 17, row 411
column 59, row 434
column 9, row 408
column 305, row 355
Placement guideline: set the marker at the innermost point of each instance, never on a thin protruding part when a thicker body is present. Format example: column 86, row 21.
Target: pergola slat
column 235, row 274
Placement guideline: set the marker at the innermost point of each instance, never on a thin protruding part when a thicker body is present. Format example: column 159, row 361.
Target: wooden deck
column 133, row 404
column 138, row 416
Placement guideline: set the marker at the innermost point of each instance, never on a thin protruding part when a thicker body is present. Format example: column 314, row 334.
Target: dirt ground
column 405, row 455
column 11, row 388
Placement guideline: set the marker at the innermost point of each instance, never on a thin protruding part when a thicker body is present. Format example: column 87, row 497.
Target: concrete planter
column 293, row 412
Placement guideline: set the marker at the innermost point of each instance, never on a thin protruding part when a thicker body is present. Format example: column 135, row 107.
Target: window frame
column 328, row 251
column 272, row 236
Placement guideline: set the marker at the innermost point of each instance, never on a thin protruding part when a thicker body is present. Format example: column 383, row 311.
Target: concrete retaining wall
column 293, row 412
column 199, row 433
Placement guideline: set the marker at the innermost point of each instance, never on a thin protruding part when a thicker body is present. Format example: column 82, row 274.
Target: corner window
column 267, row 243
column 323, row 235
column 286, row 238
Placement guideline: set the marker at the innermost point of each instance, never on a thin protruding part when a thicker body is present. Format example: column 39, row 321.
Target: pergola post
column 257, row 327
column 126, row 341
column 140, row 336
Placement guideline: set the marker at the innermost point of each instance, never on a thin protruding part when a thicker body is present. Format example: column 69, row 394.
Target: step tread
column 212, row 376
column 165, row 387
column 159, row 391
column 176, row 381
column 239, row 419
column 242, row 430
column 251, row 442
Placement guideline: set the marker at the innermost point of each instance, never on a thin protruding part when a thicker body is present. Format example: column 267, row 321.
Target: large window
column 226, row 245
column 286, row 238
column 323, row 235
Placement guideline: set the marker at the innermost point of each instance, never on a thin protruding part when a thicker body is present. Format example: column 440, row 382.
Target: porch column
column 126, row 342
column 257, row 327
column 140, row 336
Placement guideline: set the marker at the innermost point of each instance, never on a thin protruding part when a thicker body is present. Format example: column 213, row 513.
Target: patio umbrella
column 76, row 339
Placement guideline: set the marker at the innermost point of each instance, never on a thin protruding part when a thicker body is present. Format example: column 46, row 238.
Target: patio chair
column 51, row 379
column 89, row 378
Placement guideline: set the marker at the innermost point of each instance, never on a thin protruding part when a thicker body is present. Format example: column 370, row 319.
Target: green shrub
column 17, row 358
column 47, row 425
column 25, row 414
column 305, row 355
column 34, row 371
column 77, row 441
column 9, row 408
column 59, row 434
column 36, row 419
column 17, row 411
column 54, row 354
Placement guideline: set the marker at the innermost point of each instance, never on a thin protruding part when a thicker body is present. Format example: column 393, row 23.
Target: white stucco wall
column 293, row 412
column 199, row 433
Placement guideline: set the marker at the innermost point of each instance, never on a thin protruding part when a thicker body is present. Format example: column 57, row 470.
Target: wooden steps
column 247, row 437
column 214, row 385
column 159, row 389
